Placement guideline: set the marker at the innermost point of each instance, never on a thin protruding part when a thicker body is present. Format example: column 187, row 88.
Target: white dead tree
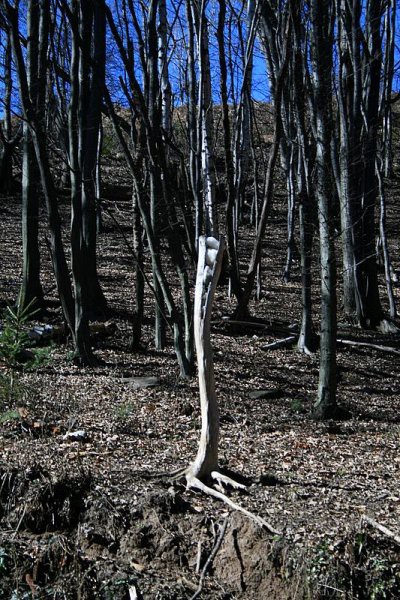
column 205, row 466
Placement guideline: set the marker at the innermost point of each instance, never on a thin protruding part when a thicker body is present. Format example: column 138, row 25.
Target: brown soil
column 82, row 519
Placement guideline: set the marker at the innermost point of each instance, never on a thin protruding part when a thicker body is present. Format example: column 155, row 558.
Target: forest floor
column 80, row 518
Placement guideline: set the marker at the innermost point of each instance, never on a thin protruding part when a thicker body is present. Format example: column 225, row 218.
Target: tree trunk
column 31, row 292
column 91, row 87
column 230, row 202
column 83, row 351
column 325, row 406
column 39, row 139
column 139, row 275
column 208, row 270
column 205, row 134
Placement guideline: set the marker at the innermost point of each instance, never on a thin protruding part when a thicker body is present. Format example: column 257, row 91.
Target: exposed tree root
column 388, row 349
column 210, row 559
column 193, row 482
column 163, row 475
column 228, row 481
column 387, row 326
column 303, row 349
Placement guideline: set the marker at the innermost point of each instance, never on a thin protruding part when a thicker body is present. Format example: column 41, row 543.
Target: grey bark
column 48, row 188
column 325, row 405
column 31, row 292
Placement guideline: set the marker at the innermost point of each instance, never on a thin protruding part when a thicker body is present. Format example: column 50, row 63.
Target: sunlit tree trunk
column 8, row 140
column 325, row 406
column 205, row 133
column 31, row 292
column 208, row 270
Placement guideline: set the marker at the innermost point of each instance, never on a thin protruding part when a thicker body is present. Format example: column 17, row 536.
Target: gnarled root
column 192, row 482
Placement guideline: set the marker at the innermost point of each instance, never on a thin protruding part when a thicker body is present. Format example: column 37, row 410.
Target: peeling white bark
column 208, row 270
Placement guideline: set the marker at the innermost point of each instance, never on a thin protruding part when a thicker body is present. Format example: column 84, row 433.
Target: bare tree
column 31, row 293
column 322, row 46
column 39, row 140
column 205, row 117
column 278, row 79
column 149, row 115
column 9, row 138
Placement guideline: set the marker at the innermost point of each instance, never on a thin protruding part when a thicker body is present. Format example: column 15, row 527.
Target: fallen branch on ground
column 388, row 349
column 388, row 532
column 289, row 341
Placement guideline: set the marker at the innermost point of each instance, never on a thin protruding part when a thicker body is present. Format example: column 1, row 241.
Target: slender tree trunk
column 384, row 241
column 98, row 180
column 241, row 149
column 79, row 257
column 242, row 306
column 388, row 74
column 347, row 193
column 307, row 339
column 194, row 152
column 325, row 406
column 38, row 136
column 370, row 309
column 8, row 141
column 91, row 87
column 139, row 275
column 31, row 292
column 166, row 93
column 291, row 214
column 205, row 134
column 230, row 202
column 156, row 204
column 208, row 270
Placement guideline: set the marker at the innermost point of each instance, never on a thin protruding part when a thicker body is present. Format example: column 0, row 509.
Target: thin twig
column 19, row 523
column 211, row 557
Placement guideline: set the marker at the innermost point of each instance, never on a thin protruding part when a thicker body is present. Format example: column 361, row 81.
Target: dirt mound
column 249, row 563
column 67, row 538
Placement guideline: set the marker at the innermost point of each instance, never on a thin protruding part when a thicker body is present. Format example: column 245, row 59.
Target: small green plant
column 41, row 357
column 14, row 338
column 14, row 354
column 70, row 356
column 9, row 415
column 297, row 406
column 124, row 411
column 11, row 389
column 383, row 579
